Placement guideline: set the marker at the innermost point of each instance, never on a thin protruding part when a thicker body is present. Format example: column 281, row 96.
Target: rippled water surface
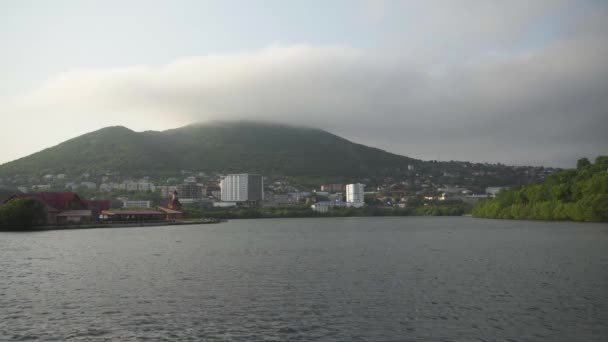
column 345, row 279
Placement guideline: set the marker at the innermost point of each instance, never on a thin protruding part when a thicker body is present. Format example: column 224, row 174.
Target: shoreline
column 119, row 225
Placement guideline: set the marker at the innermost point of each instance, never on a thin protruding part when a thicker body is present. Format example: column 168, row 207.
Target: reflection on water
column 366, row 279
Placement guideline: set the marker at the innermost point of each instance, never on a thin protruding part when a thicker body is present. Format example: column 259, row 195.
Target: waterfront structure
column 74, row 217
column 242, row 187
column 136, row 204
column 171, row 215
column 355, row 195
column 132, row 215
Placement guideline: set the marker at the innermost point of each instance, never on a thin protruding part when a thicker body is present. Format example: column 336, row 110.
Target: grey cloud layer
column 544, row 106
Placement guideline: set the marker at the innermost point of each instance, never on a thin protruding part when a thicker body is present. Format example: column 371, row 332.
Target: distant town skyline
column 515, row 82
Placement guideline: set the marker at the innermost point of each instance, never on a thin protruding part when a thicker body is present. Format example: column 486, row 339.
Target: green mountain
column 222, row 146
column 309, row 154
column 576, row 195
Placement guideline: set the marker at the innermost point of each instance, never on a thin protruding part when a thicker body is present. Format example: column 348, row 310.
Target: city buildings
column 242, row 188
column 355, row 195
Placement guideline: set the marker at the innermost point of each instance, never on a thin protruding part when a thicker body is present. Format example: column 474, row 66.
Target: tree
column 578, row 195
column 21, row 214
column 582, row 163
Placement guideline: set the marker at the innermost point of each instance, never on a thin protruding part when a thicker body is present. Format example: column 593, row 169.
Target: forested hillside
column 308, row 155
column 577, row 195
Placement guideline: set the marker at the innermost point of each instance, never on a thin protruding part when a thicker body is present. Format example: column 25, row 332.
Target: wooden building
column 171, row 214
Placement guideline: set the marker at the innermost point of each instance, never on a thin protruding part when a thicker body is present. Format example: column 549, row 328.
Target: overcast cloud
column 459, row 88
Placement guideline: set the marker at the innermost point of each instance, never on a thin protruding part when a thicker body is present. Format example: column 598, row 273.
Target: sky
column 517, row 82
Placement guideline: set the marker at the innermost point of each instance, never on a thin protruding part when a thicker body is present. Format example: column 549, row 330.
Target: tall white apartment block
column 242, row 187
column 354, row 195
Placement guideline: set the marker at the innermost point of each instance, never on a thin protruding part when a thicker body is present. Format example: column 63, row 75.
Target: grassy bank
column 305, row 211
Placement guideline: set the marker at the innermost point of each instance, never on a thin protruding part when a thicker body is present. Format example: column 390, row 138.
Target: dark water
column 351, row 279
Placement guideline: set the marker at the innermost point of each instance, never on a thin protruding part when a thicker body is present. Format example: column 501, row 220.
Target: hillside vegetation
column 270, row 149
column 306, row 155
column 577, row 195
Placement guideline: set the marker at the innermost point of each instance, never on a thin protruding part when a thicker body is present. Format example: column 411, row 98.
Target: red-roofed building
column 97, row 207
column 55, row 203
column 171, row 214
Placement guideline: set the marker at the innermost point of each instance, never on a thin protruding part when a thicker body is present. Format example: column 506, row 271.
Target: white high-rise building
column 242, row 188
column 355, row 195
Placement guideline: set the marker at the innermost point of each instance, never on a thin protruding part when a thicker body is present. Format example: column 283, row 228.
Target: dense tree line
column 21, row 214
column 580, row 194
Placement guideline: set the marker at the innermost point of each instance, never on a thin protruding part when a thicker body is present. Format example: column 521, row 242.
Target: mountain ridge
column 308, row 155
column 226, row 145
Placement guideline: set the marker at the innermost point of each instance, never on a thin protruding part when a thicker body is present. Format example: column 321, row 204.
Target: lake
column 327, row 279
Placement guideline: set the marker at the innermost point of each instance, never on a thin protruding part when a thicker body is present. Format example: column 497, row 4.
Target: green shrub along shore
column 22, row 213
column 449, row 209
column 575, row 195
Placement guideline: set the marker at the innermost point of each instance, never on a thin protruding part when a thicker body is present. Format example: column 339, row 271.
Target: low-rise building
column 145, row 186
column 296, row 197
column 136, row 204
column 105, row 187
column 224, row 204
column 171, row 214
column 492, row 191
column 332, row 187
column 74, row 216
column 89, row 185
column 190, row 180
column 321, row 207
